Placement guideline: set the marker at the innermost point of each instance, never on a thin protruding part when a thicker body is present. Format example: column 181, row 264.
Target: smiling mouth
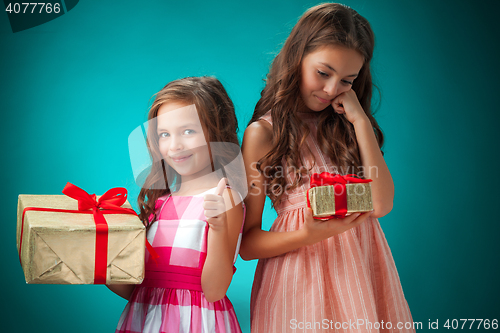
column 322, row 100
column 180, row 159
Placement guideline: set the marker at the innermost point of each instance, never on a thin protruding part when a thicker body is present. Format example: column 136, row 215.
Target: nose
column 176, row 143
column 331, row 88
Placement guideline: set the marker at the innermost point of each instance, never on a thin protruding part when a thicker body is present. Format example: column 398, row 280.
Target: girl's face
column 326, row 73
column 182, row 141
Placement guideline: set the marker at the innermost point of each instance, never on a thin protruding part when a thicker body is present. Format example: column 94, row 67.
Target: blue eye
column 163, row 135
column 322, row 73
column 189, row 131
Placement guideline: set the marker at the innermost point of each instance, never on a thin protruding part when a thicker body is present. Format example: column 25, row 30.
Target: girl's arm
column 375, row 168
column 257, row 243
column 122, row 290
column 374, row 165
column 221, row 248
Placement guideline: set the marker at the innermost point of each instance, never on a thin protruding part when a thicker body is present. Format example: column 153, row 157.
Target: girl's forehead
column 336, row 56
column 175, row 114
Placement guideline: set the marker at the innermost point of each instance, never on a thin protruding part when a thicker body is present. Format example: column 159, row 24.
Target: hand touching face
column 327, row 73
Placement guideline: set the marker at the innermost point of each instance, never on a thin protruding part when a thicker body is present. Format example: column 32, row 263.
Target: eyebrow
column 330, row 67
column 183, row 126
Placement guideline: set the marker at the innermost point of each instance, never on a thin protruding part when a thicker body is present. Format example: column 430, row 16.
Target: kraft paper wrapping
column 59, row 248
column 322, row 199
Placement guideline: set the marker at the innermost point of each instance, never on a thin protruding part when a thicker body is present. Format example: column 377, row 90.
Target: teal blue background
column 74, row 88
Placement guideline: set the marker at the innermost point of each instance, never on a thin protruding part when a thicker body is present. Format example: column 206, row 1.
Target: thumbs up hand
column 215, row 207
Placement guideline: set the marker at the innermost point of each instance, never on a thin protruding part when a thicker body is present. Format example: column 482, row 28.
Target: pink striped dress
column 346, row 283
column 170, row 299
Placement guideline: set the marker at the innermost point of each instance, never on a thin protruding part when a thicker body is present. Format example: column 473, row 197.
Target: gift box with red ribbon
column 334, row 195
column 79, row 238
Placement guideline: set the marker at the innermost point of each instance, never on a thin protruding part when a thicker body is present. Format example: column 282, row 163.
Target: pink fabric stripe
column 178, row 278
column 172, row 269
column 165, row 307
column 165, row 234
column 178, row 297
column 172, row 284
column 177, row 206
column 186, row 257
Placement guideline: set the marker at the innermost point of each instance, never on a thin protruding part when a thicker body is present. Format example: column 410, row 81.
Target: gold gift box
column 322, row 199
column 59, row 248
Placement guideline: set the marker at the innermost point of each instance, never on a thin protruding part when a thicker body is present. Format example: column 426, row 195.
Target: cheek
column 343, row 89
column 197, row 141
column 307, row 85
column 202, row 152
column 163, row 147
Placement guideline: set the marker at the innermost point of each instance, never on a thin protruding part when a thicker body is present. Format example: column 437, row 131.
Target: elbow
column 245, row 254
column 248, row 248
column 246, row 258
column 125, row 291
column 214, row 296
column 381, row 209
column 215, row 287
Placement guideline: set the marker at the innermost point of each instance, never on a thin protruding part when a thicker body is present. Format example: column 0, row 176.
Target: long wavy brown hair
column 217, row 117
column 328, row 24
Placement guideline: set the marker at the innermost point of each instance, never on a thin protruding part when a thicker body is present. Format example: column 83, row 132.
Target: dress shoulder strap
column 267, row 117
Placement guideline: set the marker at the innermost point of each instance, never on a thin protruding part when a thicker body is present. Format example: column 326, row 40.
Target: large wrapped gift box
column 337, row 196
column 60, row 247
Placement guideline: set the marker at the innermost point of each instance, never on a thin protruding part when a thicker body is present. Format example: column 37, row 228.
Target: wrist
column 303, row 237
column 361, row 121
column 218, row 229
column 218, row 223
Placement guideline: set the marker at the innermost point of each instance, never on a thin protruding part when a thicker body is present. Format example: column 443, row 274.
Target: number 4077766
column 31, row 7
column 474, row 324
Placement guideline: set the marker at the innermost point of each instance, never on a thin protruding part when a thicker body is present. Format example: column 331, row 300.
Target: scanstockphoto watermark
column 304, row 172
column 280, row 171
column 327, row 324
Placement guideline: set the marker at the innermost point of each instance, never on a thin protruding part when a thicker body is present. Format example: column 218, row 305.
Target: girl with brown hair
column 194, row 222
column 314, row 115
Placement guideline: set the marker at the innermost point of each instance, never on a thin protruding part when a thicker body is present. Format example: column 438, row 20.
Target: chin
column 184, row 172
column 317, row 108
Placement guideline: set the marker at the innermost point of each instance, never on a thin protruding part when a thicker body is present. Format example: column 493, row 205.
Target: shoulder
column 159, row 202
column 257, row 142
column 258, row 134
column 163, row 197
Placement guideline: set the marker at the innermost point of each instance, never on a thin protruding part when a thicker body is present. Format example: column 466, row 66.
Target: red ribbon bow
column 326, row 178
column 339, row 185
column 109, row 203
column 111, row 200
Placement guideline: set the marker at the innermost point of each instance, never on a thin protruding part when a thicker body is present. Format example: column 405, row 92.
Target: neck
column 199, row 184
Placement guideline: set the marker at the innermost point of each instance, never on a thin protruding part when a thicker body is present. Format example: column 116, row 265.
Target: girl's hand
column 318, row 230
column 347, row 103
column 215, row 208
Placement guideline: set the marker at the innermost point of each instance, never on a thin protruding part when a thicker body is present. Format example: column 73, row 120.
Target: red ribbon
column 109, row 203
column 339, row 189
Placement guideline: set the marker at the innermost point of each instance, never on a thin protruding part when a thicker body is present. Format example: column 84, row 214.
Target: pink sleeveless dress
column 346, row 283
column 170, row 298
